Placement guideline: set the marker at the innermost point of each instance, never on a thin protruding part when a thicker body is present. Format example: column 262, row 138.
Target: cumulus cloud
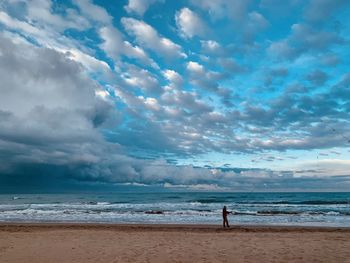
column 282, row 49
column 195, row 68
column 189, row 23
column 141, row 79
column 330, row 60
column 173, row 77
column 231, row 65
column 235, row 9
column 280, row 9
column 89, row 62
column 139, row 6
column 115, row 46
column 95, row 12
column 19, row 25
column 211, row 46
column 50, row 37
column 54, row 123
column 321, row 10
column 186, row 100
column 246, row 23
column 148, row 37
column 39, row 12
column 310, row 38
column 297, row 110
column 51, row 109
column 202, row 78
column 317, row 77
column 304, row 39
column 279, row 72
column 275, row 74
column 256, row 23
column 52, row 82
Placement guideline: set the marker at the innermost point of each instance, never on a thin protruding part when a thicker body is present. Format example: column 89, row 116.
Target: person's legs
column 224, row 222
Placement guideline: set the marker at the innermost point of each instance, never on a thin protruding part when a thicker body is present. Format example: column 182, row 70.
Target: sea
column 300, row 209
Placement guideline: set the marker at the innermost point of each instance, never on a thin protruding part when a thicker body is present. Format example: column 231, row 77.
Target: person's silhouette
column 224, row 216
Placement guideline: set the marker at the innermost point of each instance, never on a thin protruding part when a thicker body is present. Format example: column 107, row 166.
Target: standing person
column 224, row 216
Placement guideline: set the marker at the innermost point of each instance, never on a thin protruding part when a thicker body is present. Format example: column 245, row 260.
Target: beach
column 59, row 242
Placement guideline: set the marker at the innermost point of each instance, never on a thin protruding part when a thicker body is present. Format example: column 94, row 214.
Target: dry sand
column 163, row 243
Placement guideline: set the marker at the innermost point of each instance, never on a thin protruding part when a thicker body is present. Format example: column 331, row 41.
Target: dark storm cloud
column 50, row 113
column 46, row 94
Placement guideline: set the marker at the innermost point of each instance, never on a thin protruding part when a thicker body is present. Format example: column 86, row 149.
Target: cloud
column 256, row 23
column 54, row 124
column 141, row 79
column 275, row 74
column 304, row 39
column 186, row 100
column 279, row 72
column 94, row 12
column 233, row 9
column 247, row 24
column 297, row 110
column 327, row 167
column 310, row 38
column 317, row 77
column 51, row 114
column 148, row 37
column 331, row 60
column 195, row 68
column 139, row 6
column 281, row 9
column 202, row 78
column 231, row 65
column 114, row 45
column 211, row 46
column 322, row 10
column 173, row 77
column 280, row 124
column 282, row 49
column 19, row 25
column 189, row 23
column 95, row 102
column 39, row 11
column 90, row 63
column 25, row 31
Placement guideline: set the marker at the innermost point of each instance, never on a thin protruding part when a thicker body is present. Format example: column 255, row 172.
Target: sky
column 221, row 95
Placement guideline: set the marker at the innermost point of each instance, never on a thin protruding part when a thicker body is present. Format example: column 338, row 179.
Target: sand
column 171, row 243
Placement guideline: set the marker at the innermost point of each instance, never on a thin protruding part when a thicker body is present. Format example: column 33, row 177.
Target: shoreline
column 4, row 226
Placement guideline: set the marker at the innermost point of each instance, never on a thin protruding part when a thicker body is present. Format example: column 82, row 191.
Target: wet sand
column 171, row 243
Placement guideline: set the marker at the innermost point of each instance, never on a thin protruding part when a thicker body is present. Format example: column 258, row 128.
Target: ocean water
column 306, row 209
